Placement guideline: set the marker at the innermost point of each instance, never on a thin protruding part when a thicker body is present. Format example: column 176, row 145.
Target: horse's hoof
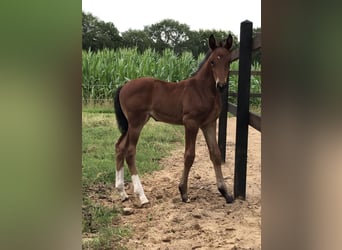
column 124, row 199
column 229, row 199
column 145, row 205
column 186, row 199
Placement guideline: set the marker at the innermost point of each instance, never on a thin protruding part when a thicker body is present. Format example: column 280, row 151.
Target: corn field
column 104, row 71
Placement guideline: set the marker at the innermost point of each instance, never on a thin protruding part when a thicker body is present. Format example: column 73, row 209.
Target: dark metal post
column 222, row 133
column 243, row 109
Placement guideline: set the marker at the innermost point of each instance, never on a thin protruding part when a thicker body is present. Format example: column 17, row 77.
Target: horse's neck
column 205, row 79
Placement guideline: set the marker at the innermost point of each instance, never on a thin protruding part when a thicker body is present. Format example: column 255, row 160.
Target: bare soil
column 207, row 222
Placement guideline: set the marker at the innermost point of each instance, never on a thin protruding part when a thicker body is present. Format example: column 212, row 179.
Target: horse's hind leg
column 215, row 156
column 133, row 136
column 120, row 148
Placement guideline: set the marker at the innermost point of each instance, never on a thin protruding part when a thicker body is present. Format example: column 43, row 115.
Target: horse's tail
column 120, row 116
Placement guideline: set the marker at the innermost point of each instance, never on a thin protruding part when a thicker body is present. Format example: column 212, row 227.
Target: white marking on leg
column 138, row 189
column 119, row 183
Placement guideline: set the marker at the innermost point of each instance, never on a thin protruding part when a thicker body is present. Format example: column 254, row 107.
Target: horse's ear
column 212, row 42
column 229, row 42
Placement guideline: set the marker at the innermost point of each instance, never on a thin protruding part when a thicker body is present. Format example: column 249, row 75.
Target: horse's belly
column 166, row 117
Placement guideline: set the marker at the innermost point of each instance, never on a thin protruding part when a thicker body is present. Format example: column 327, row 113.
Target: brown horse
column 194, row 103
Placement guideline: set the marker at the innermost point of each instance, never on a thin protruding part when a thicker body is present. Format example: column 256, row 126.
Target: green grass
column 98, row 107
column 99, row 135
column 97, row 219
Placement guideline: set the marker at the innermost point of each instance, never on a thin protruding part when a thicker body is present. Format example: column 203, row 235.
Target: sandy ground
column 207, row 222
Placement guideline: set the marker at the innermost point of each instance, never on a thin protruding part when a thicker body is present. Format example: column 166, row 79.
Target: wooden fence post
column 242, row 117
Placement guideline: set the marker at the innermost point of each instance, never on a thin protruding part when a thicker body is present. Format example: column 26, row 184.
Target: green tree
column 198, row 41
column 108, row 36
column 168, row 34
column 136, row 38
column 97, row 35
column 88, row 31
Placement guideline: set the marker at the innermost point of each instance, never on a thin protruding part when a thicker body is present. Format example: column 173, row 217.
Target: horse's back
column 159, row 99
column 138, row 86
column 145, row 89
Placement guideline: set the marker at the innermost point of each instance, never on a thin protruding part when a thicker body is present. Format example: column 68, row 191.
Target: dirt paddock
column 207, row 222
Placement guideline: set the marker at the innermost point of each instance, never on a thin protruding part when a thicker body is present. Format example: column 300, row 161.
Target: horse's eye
column 212, row 63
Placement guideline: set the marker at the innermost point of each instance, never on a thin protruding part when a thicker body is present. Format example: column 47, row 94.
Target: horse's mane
column 201, row 63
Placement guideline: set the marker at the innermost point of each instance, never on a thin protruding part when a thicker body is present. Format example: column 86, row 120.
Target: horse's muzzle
column 220, row 84
column 221, row 87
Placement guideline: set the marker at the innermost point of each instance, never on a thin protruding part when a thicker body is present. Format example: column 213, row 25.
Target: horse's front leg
column 215, row 156
column 191, row 130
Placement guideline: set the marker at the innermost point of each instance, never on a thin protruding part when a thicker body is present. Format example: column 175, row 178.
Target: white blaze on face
column 138, row 189
column 119, row 183
column 217, row 79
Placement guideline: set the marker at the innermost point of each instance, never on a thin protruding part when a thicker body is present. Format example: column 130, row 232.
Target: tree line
column 166, row 34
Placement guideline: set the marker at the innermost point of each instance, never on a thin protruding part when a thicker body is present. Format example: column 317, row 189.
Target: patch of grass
column 156, row 141
column 105, row 106
column 98, row 138
column 97, row 222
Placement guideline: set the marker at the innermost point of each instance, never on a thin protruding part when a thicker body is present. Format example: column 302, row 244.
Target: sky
column 223, row 15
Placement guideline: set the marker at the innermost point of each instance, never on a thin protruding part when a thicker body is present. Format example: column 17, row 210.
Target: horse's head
column 219, row 59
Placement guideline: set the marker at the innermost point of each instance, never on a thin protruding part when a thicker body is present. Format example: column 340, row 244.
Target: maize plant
column 104, row 71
